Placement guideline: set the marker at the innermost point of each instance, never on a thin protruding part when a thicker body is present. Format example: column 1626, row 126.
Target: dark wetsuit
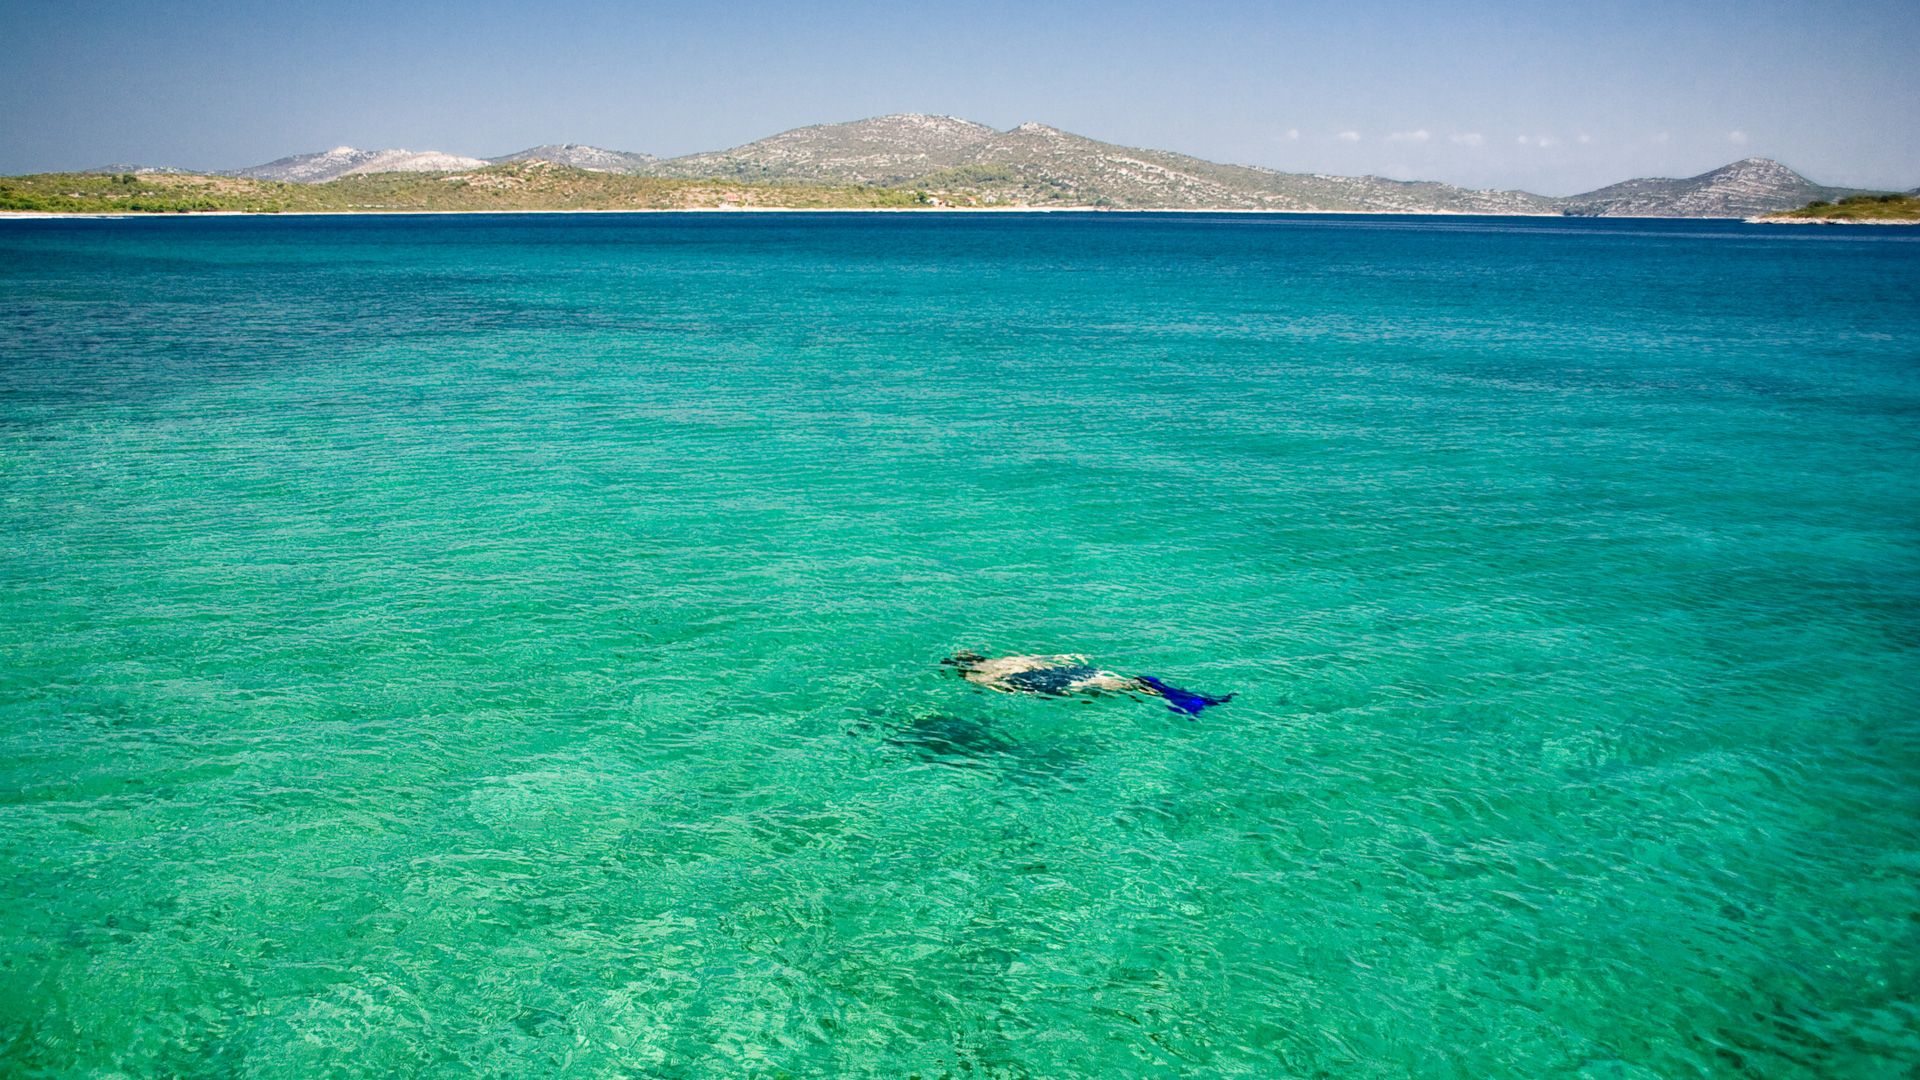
column 1058, row 681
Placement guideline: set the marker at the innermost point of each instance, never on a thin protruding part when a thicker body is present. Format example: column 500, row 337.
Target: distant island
column 888, row 162
column 1895, row 209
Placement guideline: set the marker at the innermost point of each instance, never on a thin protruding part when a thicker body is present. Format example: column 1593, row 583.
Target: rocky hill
column 590, row 158
column 1744, row 188
column 347, row 161
column 1039, row 165
column 887, row 150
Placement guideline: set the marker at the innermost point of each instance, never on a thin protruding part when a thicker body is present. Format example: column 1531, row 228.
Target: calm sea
column 510, row 646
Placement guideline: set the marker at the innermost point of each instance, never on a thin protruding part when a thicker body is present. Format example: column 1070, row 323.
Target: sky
column 1549, row 97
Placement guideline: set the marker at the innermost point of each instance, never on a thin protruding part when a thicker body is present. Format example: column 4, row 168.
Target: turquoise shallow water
column 509, row 645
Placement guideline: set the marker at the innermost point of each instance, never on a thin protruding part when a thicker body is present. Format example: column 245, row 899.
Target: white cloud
column 1737, row 138
column 1541, row 141
column 1584, row 140
column 1410, row 136
column 1471, row 138
column 1293, row 134
column 1348, row 136
column 1661, row 136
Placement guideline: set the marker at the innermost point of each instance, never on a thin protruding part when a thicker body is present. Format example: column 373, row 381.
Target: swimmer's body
column 1055, row 675
column 1069, row 674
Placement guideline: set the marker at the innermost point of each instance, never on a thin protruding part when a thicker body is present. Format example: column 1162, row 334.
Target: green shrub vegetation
column 90, row 193
column 531, row 185
column 1889, row 207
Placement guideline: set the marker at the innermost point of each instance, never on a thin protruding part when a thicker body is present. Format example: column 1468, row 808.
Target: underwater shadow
column 976, row 744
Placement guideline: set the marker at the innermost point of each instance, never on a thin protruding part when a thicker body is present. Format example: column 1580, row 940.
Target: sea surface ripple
column 508, row 645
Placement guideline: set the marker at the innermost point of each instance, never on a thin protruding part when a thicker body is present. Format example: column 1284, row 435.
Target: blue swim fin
column 1182, row 701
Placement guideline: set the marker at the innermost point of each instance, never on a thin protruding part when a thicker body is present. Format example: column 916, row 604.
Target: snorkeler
column 1064, row 676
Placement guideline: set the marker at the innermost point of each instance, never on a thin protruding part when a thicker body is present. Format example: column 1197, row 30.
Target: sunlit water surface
column 510, row 645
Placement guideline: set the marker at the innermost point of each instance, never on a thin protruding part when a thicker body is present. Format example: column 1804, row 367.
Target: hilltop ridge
column 575, row 155
column 348, row 161
column 888, row 150
column 1038, row 164
column 1749, row 186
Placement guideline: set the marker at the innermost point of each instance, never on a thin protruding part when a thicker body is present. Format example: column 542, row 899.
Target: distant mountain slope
column 1034, row 164
column 590, row 158
column 1744, row 188
column 347, row 161
column 1041, row 164
column 890, row 150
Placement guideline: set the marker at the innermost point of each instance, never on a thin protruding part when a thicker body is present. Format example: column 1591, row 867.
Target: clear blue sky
column 1551, row 97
